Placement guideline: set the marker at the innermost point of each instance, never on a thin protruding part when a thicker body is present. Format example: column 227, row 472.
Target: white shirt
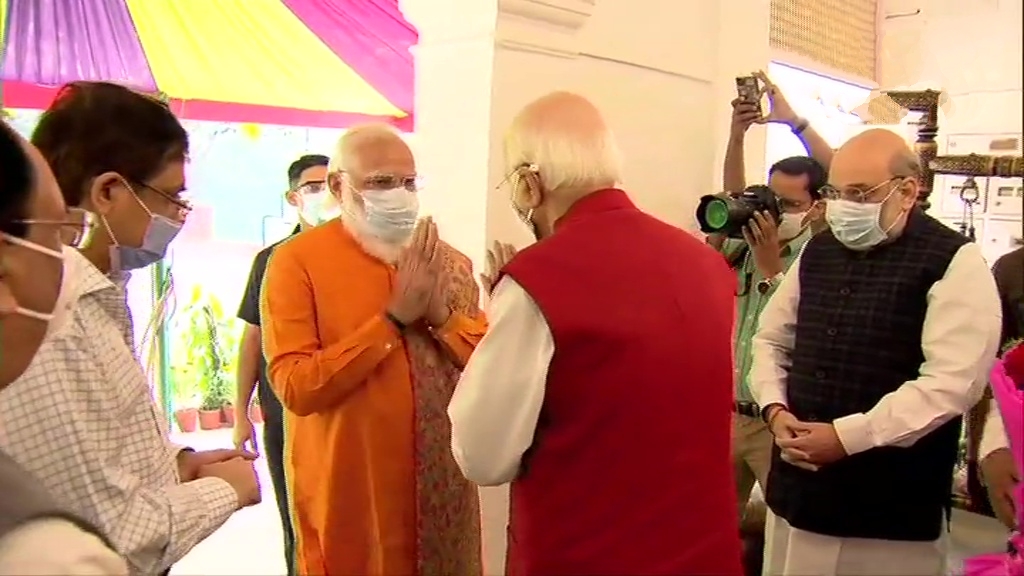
column 54, row 546
column 960, row 339
column 82, row 420
column 497, row 401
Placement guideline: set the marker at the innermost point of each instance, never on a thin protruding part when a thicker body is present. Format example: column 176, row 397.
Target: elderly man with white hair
column 603, row 389
column 368, row 320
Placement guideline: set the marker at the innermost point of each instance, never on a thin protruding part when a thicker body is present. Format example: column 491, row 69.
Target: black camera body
column 728, row 213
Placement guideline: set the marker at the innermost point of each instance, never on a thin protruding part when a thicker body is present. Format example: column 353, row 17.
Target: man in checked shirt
column 81, row 419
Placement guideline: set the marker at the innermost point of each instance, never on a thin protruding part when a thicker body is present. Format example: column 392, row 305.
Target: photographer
column 762, row 258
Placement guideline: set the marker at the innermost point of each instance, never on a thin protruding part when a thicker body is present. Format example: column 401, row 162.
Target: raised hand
column 779, row 109
column 762, row 235
column 498, row 255
column 744, row 114
column 416, row 275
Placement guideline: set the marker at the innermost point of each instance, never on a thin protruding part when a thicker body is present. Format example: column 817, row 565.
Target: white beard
column 353, row 218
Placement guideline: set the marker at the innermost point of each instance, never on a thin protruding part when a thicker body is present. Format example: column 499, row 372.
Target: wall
column 973, row 52
column 660, row 71
column 826, row 102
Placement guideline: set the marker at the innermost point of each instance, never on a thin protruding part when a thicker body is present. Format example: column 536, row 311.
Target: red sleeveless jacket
column 630, row 471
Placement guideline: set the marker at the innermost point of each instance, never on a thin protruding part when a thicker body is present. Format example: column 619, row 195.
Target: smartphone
column 749, row 89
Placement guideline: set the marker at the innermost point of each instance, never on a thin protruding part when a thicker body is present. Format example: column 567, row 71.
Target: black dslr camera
column 727, row 214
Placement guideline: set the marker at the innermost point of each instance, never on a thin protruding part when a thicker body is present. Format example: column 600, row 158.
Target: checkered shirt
column 82, row 420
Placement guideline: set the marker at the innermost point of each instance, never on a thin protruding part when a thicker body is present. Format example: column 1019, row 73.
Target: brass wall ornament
column 979, row 165
column 927, row 103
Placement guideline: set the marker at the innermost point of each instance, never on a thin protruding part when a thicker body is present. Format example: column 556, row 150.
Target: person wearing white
column 597, row 336
column 866, row 412
column 493, row 426
column 37, row 537
column 81, row 418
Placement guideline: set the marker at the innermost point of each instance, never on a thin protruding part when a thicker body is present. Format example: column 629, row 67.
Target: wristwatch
column 766, row 284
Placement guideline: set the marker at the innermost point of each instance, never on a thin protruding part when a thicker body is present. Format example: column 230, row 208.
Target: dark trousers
column 273, row 450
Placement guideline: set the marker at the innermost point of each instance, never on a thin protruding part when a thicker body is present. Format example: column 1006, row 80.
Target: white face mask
column 390, row 215
column 319, row 207
column 791, row 225
column 61, row 308
column 858, row 225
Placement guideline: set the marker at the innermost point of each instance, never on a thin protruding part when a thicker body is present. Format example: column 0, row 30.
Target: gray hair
column 905, row 163
column 346, row 151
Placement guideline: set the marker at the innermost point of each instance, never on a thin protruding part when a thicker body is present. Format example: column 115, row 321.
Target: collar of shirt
column 109, row 293
column 88, row 278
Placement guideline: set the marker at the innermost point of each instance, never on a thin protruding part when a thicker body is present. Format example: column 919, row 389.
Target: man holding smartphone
column 766, row 252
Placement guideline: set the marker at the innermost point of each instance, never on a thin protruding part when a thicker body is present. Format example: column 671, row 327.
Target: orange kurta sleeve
column 460, row 335
column 307, row 377
column 466, row 324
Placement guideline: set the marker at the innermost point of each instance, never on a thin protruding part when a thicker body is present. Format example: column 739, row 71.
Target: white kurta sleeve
column 960, row 339
column 498, row 399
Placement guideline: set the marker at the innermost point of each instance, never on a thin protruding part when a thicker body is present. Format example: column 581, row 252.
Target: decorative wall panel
column 840, row 34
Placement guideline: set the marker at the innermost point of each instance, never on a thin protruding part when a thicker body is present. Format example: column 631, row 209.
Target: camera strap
column 737, row 258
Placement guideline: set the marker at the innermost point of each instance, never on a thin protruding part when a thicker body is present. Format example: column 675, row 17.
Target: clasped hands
column 807, row 445
column 233, row 466
column 421, row 287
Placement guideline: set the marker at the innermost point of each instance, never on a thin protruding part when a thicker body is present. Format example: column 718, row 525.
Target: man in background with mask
column 81, row 418
column 307, row 191
column 367, row 322
column 611, row 479
column 990, row 462
column 762, row 257
column 37, row 535
column 866, row 358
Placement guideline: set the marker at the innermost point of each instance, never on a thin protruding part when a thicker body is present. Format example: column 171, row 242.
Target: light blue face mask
column 160, row 232
column 159, row 235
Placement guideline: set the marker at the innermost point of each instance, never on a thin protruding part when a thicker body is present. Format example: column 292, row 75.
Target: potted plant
column 209, row 409
column 228, row 345
column 186, row 398
column 207, row 358
column 227, row 414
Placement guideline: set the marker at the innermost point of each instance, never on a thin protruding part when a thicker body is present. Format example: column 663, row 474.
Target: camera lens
column 717, row 213
column 728, row 214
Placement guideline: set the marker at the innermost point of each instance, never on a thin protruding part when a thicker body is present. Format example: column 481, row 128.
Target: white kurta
column 960, row 339
column 498, row 400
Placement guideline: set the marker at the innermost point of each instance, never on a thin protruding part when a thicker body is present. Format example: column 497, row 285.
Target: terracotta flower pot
column 209, row 419
column 227, row 415
column 187, row 419
column 256, row 414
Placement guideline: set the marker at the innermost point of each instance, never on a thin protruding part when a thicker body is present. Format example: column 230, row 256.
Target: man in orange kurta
column 368, row 321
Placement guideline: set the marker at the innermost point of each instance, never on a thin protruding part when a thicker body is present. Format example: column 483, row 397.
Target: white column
column 656, row 68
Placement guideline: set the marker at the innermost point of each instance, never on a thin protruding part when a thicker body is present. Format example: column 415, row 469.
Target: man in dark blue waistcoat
column 872, row 348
